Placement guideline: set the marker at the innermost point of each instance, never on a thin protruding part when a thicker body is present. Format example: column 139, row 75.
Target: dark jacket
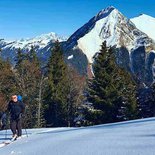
column 16, row 109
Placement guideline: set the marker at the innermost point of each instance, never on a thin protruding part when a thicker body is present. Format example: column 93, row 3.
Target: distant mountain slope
column 40, row 41
column 42, row 45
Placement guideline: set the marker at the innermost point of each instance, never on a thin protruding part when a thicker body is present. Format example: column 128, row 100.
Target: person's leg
column 13, row 126
column 3, row 127
column 4, row 124
column 19, row 127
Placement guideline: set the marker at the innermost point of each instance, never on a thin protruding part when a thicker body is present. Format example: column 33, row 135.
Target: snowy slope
column 146, row 24
column 126, row 138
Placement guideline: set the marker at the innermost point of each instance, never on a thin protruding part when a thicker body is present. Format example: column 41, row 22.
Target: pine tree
column 56, row 94
column 19, row 58
column 127, row 90
column 33, row 56
column 111, row 91
column 39, row 94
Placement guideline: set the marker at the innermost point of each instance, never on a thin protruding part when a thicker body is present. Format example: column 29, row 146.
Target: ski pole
column 6, row 125
column 5, row 133
column 26, row 132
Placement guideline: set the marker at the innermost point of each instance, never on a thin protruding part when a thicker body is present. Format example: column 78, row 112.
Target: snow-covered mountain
column 112, row 26
column 40, row 41
column 42, row 45
column 124, row 138
column 146, row 24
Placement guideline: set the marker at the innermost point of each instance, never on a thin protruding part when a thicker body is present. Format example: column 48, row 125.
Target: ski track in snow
column 126, row 138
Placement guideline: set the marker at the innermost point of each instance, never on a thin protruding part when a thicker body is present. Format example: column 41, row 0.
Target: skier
column 3, row 120
column 16, row 108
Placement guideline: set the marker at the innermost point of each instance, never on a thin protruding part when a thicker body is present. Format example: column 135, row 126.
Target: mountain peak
column 108, row 9
column 105, row 12
column 110, row 25
column 51, row 36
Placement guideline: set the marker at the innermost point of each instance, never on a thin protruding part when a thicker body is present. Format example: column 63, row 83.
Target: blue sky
column 29, row 18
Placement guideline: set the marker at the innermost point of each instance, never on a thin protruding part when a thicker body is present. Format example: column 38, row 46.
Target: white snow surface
column 126, row 138
column 146, row 24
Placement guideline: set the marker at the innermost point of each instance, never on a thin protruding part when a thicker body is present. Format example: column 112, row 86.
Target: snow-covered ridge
column 146, row 24
column 39, row 41
column 105, row 12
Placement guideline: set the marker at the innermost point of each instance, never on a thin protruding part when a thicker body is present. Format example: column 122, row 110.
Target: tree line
column 57, row 95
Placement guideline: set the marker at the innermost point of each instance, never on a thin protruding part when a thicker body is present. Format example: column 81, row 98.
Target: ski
column 5, row 143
